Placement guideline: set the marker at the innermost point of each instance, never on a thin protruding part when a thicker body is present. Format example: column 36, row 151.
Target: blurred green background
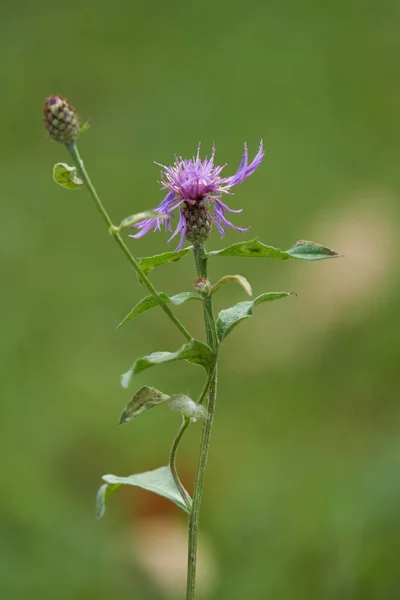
column 302, row 497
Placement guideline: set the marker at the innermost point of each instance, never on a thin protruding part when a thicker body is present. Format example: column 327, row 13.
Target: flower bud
column 198, row 222
column 60, row 119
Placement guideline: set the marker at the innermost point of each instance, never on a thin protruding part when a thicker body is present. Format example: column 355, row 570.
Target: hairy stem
column 172, row 462
column 211, row 391
column 73, row 150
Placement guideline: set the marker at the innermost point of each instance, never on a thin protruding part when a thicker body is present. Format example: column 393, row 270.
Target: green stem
column 211, row 390
column 73, row 150
column 172, row 462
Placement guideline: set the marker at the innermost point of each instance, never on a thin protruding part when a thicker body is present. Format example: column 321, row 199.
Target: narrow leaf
column 256, row 249
column 229, row 318
column 151, row 262
column 133, row 219
column 159, row 481
column 242, row 281
column 147, row 397
column 251, row 248
column 66, row 177
column 194, row 351
column 150, row 302
column 311, row 251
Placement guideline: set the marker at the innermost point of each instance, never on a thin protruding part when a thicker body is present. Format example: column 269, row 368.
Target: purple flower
column 195, row 184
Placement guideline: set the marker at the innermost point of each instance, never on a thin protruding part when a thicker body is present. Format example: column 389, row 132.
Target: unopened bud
column 60, row 119
column 198, row 222
column 202, row 285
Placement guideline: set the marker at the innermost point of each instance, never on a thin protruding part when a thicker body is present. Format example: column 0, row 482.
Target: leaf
column 311, row 251
column 66, row 176
column 231, row 317
column 255, row 248
column 151, row 262
column 133, row 219
column 242, row 281
column 252, row 248
column 147, row 397
column 84, row 128
column 159, row 481
column 150, row 302
column 194, row 351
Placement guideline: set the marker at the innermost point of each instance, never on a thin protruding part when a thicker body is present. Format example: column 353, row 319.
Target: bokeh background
column 302, row 496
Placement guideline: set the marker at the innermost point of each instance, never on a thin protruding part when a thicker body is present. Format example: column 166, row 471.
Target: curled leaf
column 242, row 281
column 147, row 397
column 66, row 176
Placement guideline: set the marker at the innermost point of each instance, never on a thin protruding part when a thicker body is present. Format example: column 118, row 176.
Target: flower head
column 60, row 119
column 195, row 188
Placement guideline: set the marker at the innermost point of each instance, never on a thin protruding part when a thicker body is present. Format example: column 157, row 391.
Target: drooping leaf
column 256, row 249
column 66, row 177
column 194, row 351
column 147, row 397
column 229, row 318
column 150, row 302
column 151, row 262
column 239, row 279
column 159, row 481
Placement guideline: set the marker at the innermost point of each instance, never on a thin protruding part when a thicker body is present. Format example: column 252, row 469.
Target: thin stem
column 73, row 150
column 172, row 461
column 210, row 389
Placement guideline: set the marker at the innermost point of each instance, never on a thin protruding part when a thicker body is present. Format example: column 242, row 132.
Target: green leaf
column 150, row 302
column 147, row 397
column 230, row 317
column 256, row 249
column 194, row 351
column 84, row 128
column 136, row 218
column 159, row 481
column 252, row 248
column 66, row 176
column 151, row 262
column 311, row 251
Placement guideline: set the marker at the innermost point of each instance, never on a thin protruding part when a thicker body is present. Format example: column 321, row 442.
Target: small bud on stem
column 60, row 119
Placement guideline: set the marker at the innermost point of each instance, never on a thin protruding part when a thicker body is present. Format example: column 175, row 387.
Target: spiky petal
column 195, row 187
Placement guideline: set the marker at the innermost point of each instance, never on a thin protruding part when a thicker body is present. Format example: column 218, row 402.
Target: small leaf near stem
column 229, row 318
column 66, row 177
column 146, row 398
column 194, row 351
column 160, row 481
column 73, row 150
column 239, row 279
column 150, row 302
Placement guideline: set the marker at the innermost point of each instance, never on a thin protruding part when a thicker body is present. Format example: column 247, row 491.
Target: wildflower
column 195, row 188
column 60, row 119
